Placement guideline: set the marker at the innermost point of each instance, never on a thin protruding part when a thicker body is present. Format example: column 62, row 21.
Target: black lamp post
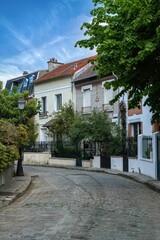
column 19, row 172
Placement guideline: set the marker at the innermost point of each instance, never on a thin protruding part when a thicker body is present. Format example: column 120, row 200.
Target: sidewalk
column 14, row 189
column 18, row 185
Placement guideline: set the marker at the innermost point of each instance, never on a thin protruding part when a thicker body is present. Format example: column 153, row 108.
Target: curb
column 152, row 186
column 10, row 199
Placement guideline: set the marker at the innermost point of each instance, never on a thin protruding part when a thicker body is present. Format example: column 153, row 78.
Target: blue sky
column 33, row 31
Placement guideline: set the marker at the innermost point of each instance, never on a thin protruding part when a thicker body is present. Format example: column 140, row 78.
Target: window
column 86, row 91
column 58, row 102
column 44, row 102
column 25, row 84
column 109, row 94
column 136, row 129
column 86, row 98
column 18, row 85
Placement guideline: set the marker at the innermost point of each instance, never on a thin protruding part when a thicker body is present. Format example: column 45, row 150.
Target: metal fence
column 85, row 149
column 63, row 149
column 81, row 150
column 131, row 147
column 128, row 147
column 40, row 146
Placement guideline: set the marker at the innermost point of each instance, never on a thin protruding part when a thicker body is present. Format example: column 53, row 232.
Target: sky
column 33, row 31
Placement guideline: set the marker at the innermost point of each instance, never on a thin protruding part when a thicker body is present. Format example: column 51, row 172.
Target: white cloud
column 20, row 37
column 42, row 44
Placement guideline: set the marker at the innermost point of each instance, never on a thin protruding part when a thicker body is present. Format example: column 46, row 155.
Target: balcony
column 86, row 110
column 108, row 109
column 43, row 115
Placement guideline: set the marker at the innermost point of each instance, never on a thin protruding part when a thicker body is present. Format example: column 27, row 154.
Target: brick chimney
column 53, row 64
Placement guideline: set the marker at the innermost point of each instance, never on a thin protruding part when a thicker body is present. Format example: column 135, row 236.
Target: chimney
column 53, row 64
column 25, row 73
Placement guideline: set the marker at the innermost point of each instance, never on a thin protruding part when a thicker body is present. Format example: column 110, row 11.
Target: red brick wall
column 133, row 111
column 156, row 127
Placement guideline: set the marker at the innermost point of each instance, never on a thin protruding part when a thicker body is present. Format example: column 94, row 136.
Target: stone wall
column 46, row 159
column 6, row 175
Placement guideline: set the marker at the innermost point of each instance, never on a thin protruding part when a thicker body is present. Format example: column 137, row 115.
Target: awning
column 48, row 124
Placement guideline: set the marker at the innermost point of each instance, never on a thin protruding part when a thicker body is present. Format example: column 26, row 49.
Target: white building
column 55, row 89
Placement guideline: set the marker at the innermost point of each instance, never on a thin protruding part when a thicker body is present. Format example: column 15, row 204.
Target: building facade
column 90, row 93
column 54, row 89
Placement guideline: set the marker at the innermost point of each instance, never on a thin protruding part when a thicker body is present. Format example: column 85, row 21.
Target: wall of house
column 100, row 98
column 143, row 116
column 6, row 175
column 49, row 90
column 96, row 92
column 146, row 119
column 148, row 166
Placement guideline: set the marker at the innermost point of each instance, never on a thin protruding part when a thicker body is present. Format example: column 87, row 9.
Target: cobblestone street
column 66, row 204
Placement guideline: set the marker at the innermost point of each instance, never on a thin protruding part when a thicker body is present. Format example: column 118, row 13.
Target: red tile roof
column 67, row 69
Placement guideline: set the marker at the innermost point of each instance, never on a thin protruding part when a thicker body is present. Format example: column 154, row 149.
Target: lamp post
column 123, row 123
column 19, row 172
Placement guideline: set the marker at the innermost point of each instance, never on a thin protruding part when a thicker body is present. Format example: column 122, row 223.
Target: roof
column 86, row 73
column 67, row 69
column 89, row 73
column 48, row 124
column 24, row 81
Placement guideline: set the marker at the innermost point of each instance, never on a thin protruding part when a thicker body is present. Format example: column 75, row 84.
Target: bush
column 8, row 144
column 7, row 155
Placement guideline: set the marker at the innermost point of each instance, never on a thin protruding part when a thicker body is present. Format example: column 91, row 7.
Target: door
column 105, row 161
column 125, row 163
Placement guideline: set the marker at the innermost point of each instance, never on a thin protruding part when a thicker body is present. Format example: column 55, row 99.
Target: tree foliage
column 97, row 127
column 61, row 122
column 126, row 34
column 9, row 107
column 8, row 144
column 10, row 112
column 80, row 128
column 16, row 128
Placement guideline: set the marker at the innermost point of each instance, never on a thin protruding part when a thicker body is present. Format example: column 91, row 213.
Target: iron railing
column 40, row 146
column 85, row 149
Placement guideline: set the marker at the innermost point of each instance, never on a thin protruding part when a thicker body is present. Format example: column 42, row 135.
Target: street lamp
column 21, row 103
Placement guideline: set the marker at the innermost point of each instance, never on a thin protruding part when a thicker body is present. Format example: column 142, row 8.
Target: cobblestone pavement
column 66, row 204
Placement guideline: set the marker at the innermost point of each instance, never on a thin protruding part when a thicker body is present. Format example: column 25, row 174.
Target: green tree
column 1, row 85
column 97, row 127
column 80, row 128
column 101, row 125
column 61, row 122
column 60, row 127
column 126, row 34
column 8, row 144
column 9, row 107
column 105, row 132
column 10, row 112
column 21, row 121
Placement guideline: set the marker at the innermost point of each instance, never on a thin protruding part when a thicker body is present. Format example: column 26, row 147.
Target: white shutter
column 86, row 98
column 108, row 95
